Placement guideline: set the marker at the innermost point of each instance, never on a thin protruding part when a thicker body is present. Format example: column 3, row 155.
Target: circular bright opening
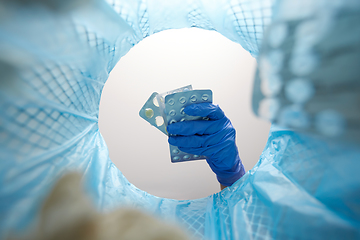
column 163, row 62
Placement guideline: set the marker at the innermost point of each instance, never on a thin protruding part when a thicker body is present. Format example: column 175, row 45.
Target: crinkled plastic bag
column 56, row 56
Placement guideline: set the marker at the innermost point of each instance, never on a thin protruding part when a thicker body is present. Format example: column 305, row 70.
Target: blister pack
column 151, row 113
column 154, row 108
column 174, row 111
column 161, row 98
column 161, row 110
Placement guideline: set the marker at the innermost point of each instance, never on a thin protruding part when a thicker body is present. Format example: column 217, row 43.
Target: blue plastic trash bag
column 55, row 57
column 308, row 74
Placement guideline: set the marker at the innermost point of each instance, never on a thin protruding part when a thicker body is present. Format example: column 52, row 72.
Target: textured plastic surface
column 308, row 75
column 151, row 113
column 174, row 110
column 161, row 99
column 177, row 155
column 56, row 58
column 153, row 110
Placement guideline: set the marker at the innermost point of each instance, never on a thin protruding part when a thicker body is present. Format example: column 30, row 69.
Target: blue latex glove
column 214, row 139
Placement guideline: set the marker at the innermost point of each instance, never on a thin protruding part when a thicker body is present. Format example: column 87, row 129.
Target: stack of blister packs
column 161, row 110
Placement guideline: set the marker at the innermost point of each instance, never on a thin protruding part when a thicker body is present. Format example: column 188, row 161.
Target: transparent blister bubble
column 154, row 108
column 161, row 98
column 151, row 113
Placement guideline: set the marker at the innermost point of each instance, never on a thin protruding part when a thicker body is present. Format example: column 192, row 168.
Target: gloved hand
column 214, row 139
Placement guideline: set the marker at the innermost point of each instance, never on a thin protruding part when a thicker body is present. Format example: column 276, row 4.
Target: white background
column 162, row 62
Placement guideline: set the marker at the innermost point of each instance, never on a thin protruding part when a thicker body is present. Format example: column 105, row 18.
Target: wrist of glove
column 214, row 139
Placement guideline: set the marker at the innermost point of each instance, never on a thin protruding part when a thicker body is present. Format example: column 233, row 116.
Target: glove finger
column 196, row 141
column 209, row 110
column 198, row 127
column 223, row 151
column 195, row 151
column 205, row 151
column 187, row 141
